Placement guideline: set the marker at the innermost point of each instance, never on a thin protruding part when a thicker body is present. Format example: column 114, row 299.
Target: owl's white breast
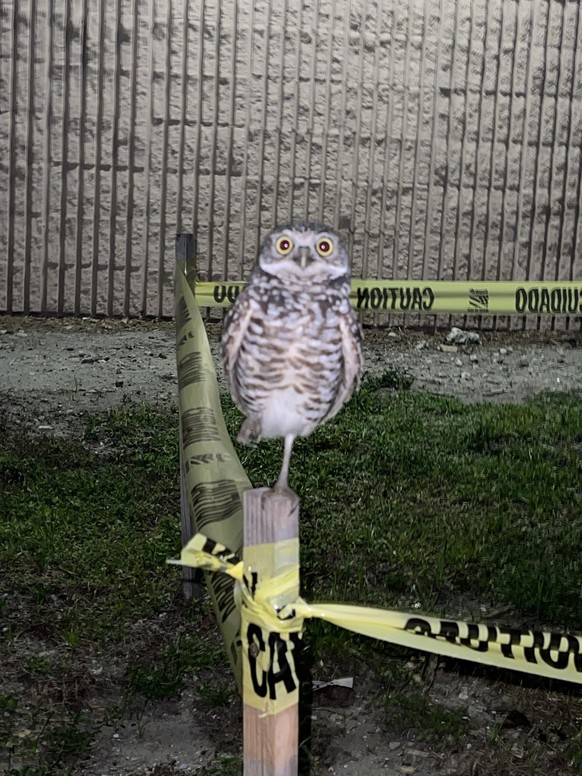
column 289, row 370
column 283, row 414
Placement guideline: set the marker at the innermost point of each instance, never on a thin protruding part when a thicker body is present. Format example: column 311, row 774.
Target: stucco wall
column 442, row 138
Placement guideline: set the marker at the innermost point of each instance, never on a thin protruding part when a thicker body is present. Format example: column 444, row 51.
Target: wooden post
column 191, row 578
column 270, row 684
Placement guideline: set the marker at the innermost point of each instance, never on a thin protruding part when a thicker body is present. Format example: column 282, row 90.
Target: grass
column 63, row 505
column 85, row 530
column 224, row 766
column 407, row 500
column 415, row 499
column 433, row 722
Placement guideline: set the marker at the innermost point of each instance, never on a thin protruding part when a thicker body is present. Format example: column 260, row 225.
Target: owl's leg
column 282, row 485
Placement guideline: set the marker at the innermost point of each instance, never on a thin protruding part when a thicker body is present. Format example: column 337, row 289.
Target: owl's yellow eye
column 324, row 246
column 284, row 245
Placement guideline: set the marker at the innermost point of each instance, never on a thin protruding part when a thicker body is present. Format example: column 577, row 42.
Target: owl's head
column 300, row 251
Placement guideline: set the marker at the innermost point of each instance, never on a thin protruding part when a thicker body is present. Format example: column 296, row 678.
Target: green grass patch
column 413, row 499
column 413, row 711
column 92, row 521
column 162, row 675
column 85, row 530
column 223, row 766
column 407, row 500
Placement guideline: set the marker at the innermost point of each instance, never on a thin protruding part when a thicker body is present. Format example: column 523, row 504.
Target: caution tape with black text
column 548, row 654
column 437, row 297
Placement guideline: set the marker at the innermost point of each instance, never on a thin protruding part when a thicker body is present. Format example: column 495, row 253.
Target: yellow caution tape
column 437, row 297
column 270, row 641
column 214, row 477
column 270, row 644
column 549, row 654
column 204, row 553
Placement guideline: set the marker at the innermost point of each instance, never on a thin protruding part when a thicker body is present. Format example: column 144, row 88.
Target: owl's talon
column 283, row 490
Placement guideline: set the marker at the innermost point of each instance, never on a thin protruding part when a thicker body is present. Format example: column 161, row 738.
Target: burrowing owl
column 291, row 344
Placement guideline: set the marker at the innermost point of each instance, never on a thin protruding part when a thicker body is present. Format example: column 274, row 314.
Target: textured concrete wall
column 442, row 137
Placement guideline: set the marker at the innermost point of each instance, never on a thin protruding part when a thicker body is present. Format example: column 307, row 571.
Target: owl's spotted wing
column 351, row 339
column 235, row 326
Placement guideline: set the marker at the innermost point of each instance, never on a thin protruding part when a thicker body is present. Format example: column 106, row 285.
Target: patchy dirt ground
column 59, row 369
column 54, row 372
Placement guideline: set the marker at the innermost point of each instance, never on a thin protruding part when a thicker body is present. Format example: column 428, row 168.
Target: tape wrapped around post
column 551, row 655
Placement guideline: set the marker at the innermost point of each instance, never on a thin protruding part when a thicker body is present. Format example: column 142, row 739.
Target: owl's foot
column 283, row 490
column 250, row 432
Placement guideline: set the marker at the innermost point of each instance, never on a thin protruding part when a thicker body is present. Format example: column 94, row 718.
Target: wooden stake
column 192, row 579
column 270, row 684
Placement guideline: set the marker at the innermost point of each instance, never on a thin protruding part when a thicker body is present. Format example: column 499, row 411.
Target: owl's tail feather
column 250, row 432
column 282, row 485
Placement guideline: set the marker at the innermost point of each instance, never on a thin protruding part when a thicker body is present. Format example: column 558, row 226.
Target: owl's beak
column 304, row 257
